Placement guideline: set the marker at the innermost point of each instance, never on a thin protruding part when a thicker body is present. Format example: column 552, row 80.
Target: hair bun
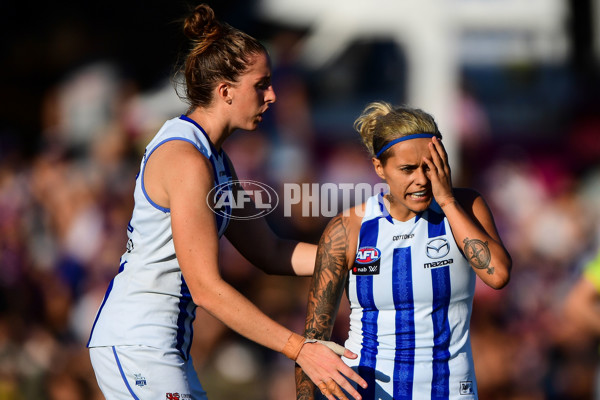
column 201, row 23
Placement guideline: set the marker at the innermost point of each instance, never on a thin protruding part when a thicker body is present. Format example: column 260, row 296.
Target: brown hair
column 380, row 123
column 218, row 53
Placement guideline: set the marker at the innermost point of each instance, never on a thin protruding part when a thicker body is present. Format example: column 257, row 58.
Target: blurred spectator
column 582, row 310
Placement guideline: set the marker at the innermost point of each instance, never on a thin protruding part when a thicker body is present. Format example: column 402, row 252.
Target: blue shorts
column 145, row 373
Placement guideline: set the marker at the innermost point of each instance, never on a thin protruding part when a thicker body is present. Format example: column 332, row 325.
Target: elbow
column 499, row 282
column 501, row 272
column 501, row 277
column 207, row 297
column 210, row 302
column 200, row 301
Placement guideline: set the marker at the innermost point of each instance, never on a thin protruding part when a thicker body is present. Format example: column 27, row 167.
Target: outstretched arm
column 256, row 241
column 324, row 298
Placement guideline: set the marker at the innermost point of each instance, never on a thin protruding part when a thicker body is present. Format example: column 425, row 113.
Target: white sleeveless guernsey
column 411, row 292
column 148, row 302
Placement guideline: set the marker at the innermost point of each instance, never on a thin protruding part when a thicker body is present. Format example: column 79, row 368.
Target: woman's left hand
column 439, row 172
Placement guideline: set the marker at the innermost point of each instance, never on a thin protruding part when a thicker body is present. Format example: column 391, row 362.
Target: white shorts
column 145, row 373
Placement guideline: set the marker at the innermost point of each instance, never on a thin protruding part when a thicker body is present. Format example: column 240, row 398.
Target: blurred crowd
column 64, row 212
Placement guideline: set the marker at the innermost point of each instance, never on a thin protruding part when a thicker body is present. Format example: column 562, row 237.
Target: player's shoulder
column 346, row 221
column 468, row 197
column 355, row 215
column 180, row 160
column 180, row 151
column 466, row 194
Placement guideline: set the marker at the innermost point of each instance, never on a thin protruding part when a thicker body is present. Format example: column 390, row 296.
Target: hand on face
column 439, row 172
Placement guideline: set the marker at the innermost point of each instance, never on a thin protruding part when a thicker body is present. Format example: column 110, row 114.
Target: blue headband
column 402, row 139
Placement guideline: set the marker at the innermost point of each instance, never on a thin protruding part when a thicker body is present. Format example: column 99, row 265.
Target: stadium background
column 85, row 84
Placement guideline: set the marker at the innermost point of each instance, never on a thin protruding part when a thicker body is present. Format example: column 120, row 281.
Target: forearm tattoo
column 325, row 293
column 478, row 254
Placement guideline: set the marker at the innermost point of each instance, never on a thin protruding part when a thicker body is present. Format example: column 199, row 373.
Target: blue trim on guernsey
column 402, row 290
column 108, row 290
column 440, row 280
column 382, row 208
column 183, row 319
column 385, row 212
column 123, row 374
column 225, row 221
column 163, row 209
column 220, row 220
column 364, row 290
column 212, row 146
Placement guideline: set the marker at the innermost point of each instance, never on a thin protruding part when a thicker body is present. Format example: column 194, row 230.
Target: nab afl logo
column 367, row 261
column 367, row 255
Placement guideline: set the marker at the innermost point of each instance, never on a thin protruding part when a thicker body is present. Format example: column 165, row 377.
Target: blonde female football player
column 140, row 341
column 408, row 260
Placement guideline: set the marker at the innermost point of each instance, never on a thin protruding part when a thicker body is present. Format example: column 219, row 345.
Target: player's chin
column 420, row 203
column 253, row 125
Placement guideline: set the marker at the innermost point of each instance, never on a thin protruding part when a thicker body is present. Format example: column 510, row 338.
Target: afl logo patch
column 437, row 248
column 367, row 261
column 368, row 255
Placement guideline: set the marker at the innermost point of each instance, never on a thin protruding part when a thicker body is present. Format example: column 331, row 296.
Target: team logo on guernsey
column 466, row 387
column 438, row 248
column 139, row 380
column 367, row 261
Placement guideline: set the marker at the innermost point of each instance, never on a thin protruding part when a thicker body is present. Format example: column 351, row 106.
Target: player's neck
column 216, row 129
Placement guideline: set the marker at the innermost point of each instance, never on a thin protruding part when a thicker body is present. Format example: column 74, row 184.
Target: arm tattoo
column 478, row 254
column 329, row 280
column 325, row 293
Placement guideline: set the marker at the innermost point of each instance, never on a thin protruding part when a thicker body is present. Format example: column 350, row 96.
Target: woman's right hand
column 328, row 371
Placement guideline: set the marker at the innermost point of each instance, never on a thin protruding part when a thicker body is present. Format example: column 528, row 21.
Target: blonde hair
column 380, row 123
column 218, row 53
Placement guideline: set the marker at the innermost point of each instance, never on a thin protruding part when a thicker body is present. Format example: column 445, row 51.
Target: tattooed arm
column 471, row 221
column 328, row 282
column 475, row 232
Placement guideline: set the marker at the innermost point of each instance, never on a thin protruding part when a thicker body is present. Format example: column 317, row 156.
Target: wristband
column 293, row 346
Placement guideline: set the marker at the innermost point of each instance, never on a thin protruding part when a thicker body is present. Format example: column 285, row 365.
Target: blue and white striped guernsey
column 148, row 302
column 411, row 293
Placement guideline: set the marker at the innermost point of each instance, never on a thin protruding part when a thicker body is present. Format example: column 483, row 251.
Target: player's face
column 252, row 94
column 406, row 174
